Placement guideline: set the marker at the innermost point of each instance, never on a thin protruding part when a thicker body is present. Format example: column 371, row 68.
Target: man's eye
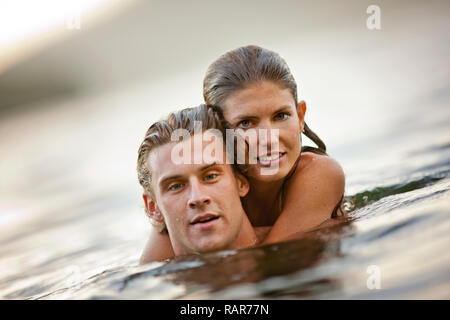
column 244, row 124
column 175, row 186
column 210, row 177
column 282, row 116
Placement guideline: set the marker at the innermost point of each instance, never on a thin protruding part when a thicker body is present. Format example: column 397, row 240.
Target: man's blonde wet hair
column 160, row 133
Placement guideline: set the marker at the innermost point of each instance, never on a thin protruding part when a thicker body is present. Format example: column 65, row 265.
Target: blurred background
column 81, row 81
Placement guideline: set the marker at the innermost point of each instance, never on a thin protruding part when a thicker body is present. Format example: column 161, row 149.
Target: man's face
column 200, row 203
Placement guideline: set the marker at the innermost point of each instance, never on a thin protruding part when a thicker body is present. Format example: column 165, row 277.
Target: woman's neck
column 261, row 203
column 263, row 189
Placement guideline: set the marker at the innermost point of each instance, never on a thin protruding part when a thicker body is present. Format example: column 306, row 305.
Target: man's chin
column 210, row 246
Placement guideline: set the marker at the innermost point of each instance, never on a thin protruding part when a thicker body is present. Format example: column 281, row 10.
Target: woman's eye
column 210, row 177
column 282, row 116
column 175, row 186
column 244, row 124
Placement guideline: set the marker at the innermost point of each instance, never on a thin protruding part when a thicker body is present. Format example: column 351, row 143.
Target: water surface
column 72, row 224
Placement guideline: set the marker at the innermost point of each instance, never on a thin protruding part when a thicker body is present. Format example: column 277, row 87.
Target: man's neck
column 261, row 233
column 247, row 236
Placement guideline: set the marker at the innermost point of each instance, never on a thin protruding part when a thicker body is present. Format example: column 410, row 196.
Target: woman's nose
column 268, row 136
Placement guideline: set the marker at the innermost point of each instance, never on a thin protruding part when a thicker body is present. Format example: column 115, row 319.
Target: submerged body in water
column 392, row 243
column 70, row 240
column 401, row 230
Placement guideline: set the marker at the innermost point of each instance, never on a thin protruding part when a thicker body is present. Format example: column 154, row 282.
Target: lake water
column 72, row 225
column 84, row 244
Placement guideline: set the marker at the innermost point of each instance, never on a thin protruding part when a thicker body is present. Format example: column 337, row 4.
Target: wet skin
column 318, row 182
column 200, row 203
column 310, row 194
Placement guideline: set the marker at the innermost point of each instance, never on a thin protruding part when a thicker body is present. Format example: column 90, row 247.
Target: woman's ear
column 243, row 184
column 301, row 110
column 152, row 209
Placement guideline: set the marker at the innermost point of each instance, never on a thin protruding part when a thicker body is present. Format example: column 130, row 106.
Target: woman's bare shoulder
column 311, row 194
column 317, row 164
column 319, row 179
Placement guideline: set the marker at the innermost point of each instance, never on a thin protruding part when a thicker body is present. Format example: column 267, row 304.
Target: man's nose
column 198, row 197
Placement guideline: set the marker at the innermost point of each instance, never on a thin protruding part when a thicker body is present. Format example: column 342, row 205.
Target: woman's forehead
column 263, row 97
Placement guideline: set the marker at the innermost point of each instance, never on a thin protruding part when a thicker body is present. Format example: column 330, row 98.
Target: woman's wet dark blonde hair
column 246, row 66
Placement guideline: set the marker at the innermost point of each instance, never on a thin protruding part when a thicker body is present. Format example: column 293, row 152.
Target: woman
column 253, row 88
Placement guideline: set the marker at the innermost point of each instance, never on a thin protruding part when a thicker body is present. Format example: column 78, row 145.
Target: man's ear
column 243, row 184
column 151, row 208
column 301, row 110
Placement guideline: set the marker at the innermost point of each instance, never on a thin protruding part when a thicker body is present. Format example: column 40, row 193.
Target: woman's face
column 266, row 105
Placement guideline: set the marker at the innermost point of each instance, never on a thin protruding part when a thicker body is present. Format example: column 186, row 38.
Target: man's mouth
column 269, row 160
column 204, row 218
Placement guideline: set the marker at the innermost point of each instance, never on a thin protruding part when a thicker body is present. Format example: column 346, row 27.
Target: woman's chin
column 267, row 174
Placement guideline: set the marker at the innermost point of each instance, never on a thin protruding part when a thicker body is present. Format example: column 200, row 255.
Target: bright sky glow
column 22, row 21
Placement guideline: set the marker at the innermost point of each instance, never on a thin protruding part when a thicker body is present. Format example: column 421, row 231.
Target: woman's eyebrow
column 240, row 117
column 282, row 108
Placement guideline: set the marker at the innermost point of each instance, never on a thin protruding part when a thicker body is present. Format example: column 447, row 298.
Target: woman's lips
column 271, row 160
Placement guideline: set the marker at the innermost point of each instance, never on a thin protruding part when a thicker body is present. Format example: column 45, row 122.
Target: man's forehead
column 160, row 154
column 162, row 163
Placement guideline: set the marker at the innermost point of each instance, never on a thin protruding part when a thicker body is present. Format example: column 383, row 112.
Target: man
column 197, row 200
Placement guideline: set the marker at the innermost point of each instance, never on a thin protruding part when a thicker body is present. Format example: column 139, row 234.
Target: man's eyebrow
column 165, row 179
column 178, row 176
column 208, row 166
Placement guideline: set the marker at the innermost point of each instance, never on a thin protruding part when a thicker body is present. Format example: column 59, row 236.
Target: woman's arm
column 311, row 195
column 157, row 248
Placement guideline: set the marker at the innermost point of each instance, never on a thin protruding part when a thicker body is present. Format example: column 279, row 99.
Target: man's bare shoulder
column 157, row 248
